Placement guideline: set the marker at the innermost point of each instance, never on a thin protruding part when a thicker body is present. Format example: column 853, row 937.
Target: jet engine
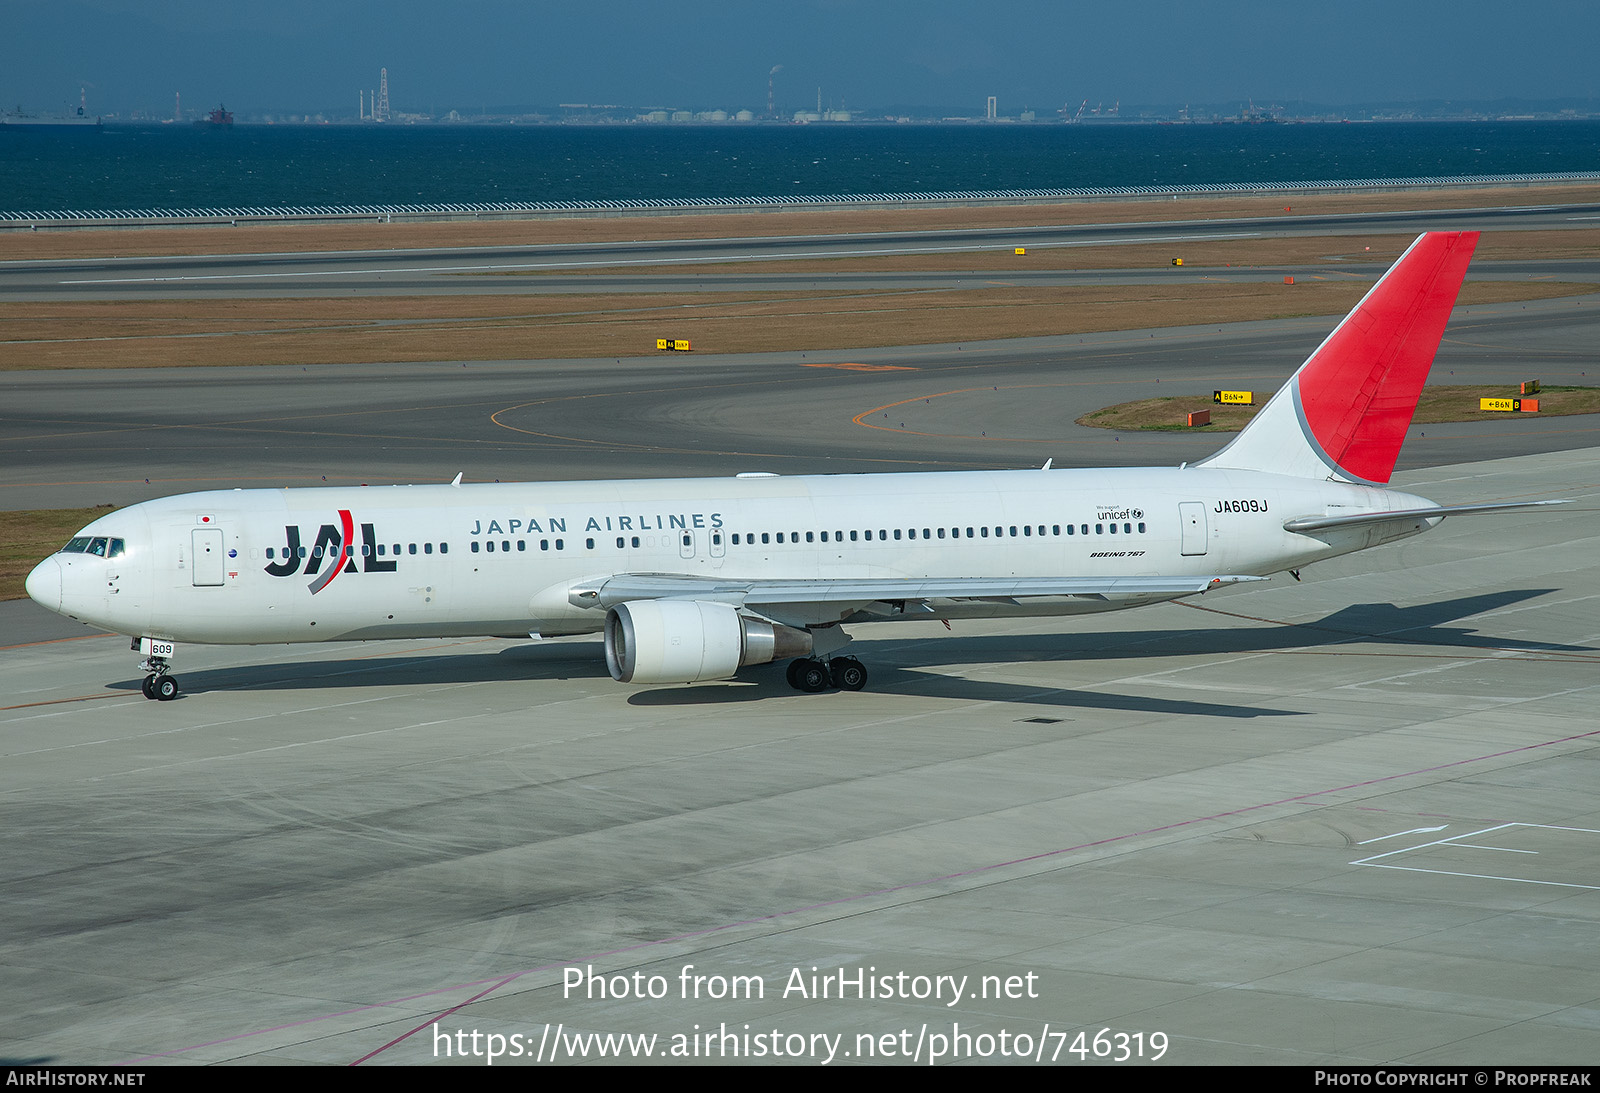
column 685, row 641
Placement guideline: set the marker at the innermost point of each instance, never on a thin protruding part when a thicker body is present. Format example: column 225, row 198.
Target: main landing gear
column 813, row 676
column 158, row 684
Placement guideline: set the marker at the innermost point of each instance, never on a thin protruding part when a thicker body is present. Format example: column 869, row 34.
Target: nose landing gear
column 163, row 688
column 158, row 684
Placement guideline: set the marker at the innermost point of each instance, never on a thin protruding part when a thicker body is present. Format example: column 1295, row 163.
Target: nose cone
column 44, row 584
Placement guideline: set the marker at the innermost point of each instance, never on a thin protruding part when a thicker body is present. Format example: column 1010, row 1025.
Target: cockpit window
column 98, row 545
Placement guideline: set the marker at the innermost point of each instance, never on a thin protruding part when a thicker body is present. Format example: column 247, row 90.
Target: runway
column 1343, row 821
column 479, row 270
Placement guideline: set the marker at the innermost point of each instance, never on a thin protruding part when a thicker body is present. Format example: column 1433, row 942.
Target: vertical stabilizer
column 1345, row 413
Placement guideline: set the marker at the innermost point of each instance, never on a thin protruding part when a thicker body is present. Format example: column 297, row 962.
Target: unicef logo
column 1137, row 514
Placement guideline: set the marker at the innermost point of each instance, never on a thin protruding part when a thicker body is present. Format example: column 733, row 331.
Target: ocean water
column 164, row 167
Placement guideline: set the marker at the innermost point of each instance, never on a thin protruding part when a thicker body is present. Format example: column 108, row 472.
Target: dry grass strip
column 137, row 334
column 1437, row 404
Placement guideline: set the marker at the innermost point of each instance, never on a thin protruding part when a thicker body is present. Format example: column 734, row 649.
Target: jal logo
column 335, row 544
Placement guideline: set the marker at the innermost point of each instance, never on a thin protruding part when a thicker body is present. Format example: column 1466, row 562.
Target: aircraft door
column 686, row 544
column 210, row 561
column 1192, row 521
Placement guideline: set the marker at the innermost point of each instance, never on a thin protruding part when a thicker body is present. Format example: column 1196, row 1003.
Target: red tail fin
column 1352, row 400
column 1360, row 388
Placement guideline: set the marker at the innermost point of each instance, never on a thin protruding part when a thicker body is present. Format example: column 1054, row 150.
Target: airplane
column 694, row 579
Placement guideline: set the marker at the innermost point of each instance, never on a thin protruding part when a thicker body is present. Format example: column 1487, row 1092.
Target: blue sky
column 300, row 55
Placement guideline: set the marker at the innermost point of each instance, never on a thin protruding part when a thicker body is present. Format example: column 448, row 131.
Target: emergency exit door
column 210, row 564
column 1192, row 520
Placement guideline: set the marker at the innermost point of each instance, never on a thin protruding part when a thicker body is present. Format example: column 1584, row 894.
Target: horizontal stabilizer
column 1322, row 523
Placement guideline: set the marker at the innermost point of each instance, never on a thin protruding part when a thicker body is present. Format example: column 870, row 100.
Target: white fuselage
column 238, row 567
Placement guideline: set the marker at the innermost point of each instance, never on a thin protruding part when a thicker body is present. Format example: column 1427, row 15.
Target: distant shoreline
column 838, row 119
column 484, row 171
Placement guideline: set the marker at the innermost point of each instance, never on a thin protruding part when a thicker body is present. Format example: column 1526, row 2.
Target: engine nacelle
column 685, row 641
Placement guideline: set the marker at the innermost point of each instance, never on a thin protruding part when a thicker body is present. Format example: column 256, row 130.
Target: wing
column 820, row 602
